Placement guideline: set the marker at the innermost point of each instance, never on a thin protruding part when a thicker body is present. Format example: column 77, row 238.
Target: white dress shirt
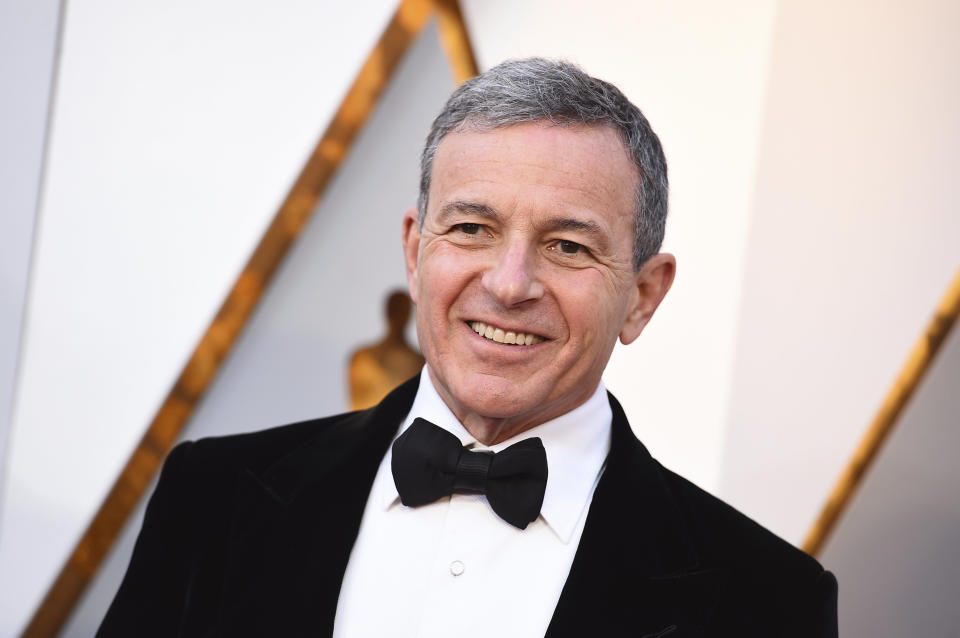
column 453, row 567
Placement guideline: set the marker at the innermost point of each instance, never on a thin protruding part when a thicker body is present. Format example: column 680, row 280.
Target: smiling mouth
column 506, row 337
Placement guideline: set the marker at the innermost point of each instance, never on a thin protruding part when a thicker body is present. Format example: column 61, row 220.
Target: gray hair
column 558, row 92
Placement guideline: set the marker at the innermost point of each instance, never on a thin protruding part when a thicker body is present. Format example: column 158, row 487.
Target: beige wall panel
column 854, row 237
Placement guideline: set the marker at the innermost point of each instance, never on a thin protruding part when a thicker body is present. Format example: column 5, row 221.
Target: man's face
column 529, row 231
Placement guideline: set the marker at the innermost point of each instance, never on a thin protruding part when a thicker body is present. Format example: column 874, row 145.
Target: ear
column 650, row 287
column 410, row 238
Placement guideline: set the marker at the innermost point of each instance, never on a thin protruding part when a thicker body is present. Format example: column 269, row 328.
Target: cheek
column 446, row 270
column 593, row 305
column 444, row 277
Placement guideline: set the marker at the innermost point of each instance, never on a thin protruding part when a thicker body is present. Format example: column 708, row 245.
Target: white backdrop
column 177, row 130
column 811, row 150
column 327, row 297
column 28, row 45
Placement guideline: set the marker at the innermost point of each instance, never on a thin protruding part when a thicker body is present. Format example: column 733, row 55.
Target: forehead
column 578, row 168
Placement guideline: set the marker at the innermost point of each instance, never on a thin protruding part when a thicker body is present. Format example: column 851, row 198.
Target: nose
column 512, row 279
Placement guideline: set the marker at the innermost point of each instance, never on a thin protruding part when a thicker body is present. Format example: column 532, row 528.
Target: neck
column 490, row 431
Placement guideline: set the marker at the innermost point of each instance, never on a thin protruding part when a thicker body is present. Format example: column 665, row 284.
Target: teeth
column 500, row 336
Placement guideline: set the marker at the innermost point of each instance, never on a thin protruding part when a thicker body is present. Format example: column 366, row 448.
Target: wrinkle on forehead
column 564, row 164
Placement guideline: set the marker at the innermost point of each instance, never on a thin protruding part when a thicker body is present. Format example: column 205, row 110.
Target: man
column 502, row 492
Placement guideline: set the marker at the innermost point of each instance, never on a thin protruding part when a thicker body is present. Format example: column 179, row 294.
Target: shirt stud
column 456, row 568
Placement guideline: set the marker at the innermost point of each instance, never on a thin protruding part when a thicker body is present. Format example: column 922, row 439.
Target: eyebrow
column 471, row 208
column 588, row 227
column 569, row 223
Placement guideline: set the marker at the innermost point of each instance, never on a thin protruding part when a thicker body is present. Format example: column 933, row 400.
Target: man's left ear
column 650, row 287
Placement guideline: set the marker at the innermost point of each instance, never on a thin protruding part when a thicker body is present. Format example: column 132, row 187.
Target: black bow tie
column 429, row 463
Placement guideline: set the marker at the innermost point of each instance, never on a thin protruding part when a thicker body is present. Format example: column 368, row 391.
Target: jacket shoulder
column 259, row 449
column 256, row 451
column 725, row 536
column 766, row 573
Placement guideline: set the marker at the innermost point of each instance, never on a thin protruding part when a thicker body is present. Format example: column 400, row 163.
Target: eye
column 468, row 228
column 570, row 247
column 568, row 252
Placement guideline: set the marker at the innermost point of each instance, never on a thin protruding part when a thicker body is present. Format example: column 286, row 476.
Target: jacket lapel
column 636, row 569
column 296, row 523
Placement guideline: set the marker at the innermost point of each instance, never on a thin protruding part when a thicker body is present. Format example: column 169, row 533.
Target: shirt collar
column 576, row 444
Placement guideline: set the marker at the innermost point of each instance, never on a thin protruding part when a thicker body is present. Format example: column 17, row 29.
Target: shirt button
column 456, row 568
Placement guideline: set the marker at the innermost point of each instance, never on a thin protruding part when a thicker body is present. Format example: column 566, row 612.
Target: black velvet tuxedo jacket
column 249, row 535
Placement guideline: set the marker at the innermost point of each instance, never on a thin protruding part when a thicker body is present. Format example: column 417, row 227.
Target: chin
column 496, row 397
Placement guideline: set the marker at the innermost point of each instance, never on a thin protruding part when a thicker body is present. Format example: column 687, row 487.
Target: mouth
column 505, row 337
